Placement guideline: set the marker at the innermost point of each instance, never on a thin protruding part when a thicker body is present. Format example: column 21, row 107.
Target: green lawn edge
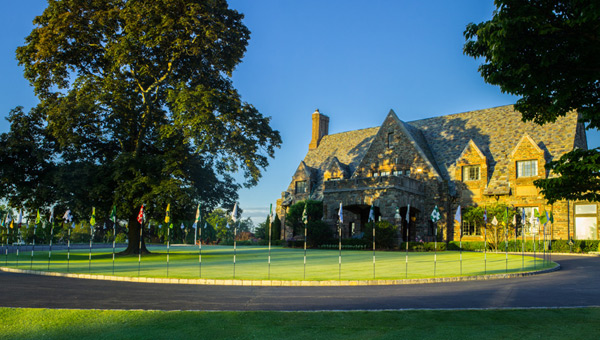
column 556, row 323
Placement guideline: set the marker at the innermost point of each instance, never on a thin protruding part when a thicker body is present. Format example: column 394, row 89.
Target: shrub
column 385, row 234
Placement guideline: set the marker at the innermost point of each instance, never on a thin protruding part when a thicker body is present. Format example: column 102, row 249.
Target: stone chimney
column 320, row 129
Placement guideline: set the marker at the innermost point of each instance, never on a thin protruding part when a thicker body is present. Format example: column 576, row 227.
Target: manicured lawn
column 487, row 324
column 286, row 263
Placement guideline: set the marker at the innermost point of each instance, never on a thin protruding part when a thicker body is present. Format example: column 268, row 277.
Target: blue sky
column 353, row 60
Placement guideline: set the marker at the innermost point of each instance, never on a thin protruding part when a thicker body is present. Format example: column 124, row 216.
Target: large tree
column 137, row 107
column 547, row 52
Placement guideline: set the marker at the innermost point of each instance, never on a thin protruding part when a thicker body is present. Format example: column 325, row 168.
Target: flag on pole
column 408, row 214
column 234, row 213
column 485, row 215
column 8, row 219
column 73, row 225
column 168, row 214
column 542, row 217
column 93, row 218
column 198, row 217
column 271, row 213
column 38, row 219
column 67, row 216
column 141, row 215
column 113, row 214
column 2, row 221
column 458, row 216
column 495, row 221
column 371, row 214
column 51, row 218
column 182, row 226
column 341, row 213
column 305, row 215
column 435, row 215
column 20, row 218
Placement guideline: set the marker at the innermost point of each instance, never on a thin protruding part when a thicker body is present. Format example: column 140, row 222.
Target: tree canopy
column 136, row 107
column 546, row 51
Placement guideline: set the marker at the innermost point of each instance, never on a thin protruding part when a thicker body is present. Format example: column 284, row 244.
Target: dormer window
column 300, row 187
column 527, row 168
column 384, row 173
column 390, row 139
column 471, row 173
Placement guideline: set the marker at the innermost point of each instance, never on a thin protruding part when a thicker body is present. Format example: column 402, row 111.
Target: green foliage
column 314, row 210
column 496, row 234
column 276, row 228
column 578, row 177
column 385, row 234
column 546, row 52
column 220, row 219
column 319, row 233
column 136, row 106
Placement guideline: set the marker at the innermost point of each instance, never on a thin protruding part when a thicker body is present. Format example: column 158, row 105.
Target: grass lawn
column 286, row 263
column 20, row 323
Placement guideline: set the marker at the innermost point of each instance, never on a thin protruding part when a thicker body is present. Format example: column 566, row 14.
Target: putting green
column 286, row 264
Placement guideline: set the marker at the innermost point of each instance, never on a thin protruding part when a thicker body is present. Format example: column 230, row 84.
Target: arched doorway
column 362, row 213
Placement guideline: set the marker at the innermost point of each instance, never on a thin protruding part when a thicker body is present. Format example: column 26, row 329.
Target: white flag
column 341, row 213
column 371, row 214
column 67, row 216
column 51, row 219
column 408, row 214
column 495, row 221
column 234, row 213
column 458, row 216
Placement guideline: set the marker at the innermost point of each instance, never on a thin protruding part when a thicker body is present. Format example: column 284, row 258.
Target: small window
column 384, row 173
column 471, row 173
column 397, row 172
column 407, row 172
column 527, row 168
column 470, row 229
column 376, row 174
column 582, row 209
column 390, row 139
column 300, row 187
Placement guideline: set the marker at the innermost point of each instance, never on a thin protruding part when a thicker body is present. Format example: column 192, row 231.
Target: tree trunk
column 133, row 234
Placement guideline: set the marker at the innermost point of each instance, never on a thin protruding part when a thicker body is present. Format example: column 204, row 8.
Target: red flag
column 141, row 215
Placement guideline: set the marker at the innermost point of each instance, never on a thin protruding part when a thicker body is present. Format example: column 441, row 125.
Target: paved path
column 576, row 284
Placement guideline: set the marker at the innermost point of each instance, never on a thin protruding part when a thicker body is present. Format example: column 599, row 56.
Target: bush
column 385, row 234
column 318, row 233
column 121, row 238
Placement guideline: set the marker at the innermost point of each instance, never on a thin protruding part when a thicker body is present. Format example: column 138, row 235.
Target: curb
column 280, row 283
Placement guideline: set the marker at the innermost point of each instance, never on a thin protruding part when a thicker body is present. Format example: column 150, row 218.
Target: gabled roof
column 348, row 148
column 496, row 131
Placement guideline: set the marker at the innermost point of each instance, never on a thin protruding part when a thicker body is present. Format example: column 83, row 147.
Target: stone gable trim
column 466, row 150
column 527, row 139
column 415, row 144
